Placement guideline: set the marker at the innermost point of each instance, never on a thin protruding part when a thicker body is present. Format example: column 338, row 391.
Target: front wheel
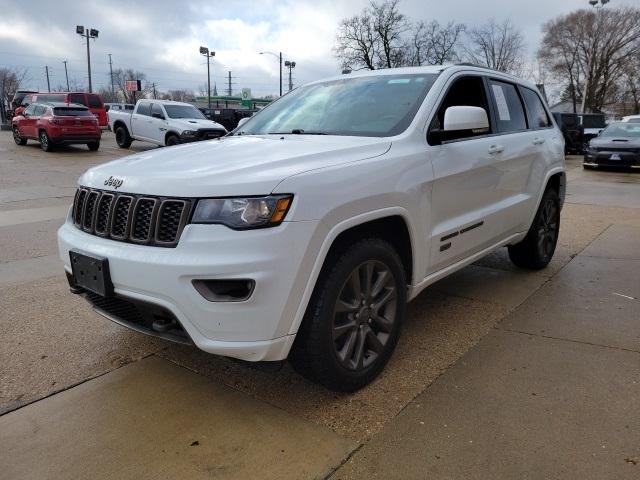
column 45, row 141
column 537, row 249
column 353, row 320
column 18, row 138
column 172, row 140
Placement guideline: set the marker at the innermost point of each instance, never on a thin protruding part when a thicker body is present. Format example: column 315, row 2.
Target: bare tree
column 374, row 38
column 496, row 45
column 433, row 44
column 10, row 80
column 592, row 50
column 179, row 95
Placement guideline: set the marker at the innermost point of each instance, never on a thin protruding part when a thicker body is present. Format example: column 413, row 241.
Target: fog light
column 225, row 290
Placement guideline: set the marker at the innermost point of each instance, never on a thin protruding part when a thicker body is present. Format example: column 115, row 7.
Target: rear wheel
column 45, row 141
column 537, row 249
column 93, row 146
column 172, row 140
column 18, row 138
column 353, row 320
column 123, row 139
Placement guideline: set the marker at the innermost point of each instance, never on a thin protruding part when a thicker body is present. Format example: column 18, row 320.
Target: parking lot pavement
column 57, row 351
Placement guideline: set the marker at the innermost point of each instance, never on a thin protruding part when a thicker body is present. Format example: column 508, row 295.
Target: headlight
column 188, row 133
column 243, row 213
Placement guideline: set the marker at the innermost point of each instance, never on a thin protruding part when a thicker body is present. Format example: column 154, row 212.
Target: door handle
column 538, row 141
column 495, row 149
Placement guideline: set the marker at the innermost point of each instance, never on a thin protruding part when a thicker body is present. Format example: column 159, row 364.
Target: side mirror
column 107, row 108
column 465, row 118
column 158, row 116
column 242, row 121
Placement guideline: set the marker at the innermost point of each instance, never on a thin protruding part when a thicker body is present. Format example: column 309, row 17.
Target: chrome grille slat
column 141, row 219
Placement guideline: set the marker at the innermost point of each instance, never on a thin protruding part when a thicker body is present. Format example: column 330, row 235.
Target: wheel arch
column 170, row 133
column 391, row 224
column 120, row 123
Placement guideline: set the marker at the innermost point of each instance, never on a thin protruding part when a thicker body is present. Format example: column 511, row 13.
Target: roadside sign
column 246, row 97
column 133, row 85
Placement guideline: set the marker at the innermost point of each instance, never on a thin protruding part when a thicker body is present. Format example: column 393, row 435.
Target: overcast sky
column 162, row 37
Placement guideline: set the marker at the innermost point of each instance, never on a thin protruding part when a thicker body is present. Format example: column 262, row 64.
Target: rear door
column 521, row 152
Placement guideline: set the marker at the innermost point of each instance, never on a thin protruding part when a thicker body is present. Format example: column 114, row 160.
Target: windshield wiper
column 297, row 131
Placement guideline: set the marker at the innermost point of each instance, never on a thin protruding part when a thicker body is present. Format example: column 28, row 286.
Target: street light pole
column 46, row 69
column 290, row 66
column 597, row 4
column 88, row 33
column 205, row 51
column 279, row 57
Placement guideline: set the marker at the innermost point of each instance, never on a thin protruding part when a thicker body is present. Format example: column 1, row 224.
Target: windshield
column 377, row 106
column 622, row 130
column 183, row 111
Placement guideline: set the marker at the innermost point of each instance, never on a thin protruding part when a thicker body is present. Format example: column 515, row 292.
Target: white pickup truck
column 163, row 122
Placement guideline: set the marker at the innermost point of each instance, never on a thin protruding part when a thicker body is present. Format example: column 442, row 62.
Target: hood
column 632, row 143
column 195, row 123
column 237, row 165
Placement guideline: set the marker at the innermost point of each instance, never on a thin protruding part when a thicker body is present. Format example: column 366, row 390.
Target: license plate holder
column 91, row 273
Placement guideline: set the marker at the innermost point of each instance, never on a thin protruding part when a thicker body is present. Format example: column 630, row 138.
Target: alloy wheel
column 44, row 140
column 16, row 135
column 364, row 315
column 548, row 229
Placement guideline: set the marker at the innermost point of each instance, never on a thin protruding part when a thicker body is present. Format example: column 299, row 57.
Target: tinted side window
column 508, row 107
column 94, row 101
column 156, row 109
column 144, row 109
column 30, row 109
column 39, row 110
column 77, row 98
column 538, row 117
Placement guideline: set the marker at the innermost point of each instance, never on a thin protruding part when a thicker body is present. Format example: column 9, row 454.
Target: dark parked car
column 56, row 124
column 228, row 117
column 572, row 131
column 592, row 124
column 618, row 145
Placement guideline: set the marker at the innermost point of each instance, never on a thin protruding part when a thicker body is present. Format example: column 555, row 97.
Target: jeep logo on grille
column 113, row 182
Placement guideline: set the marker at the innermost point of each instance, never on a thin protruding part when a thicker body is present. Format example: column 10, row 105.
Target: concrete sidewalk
column 552, row 392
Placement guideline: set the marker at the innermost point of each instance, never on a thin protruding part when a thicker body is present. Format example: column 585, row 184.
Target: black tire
column 123, row 139
column 45, row 141
column 18, row 138
column 537, row 249
column 172, row 140
column 93, row 146
column 588, row 167
column 344, row 343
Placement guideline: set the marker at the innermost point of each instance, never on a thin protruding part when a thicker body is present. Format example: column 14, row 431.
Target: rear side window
column 509, row 111
column 77, row 98
column 94, row 101
column 144, row 109
column 71, row 112
column 538, row 117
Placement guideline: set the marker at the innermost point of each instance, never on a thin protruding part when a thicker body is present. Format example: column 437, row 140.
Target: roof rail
column 469, row 64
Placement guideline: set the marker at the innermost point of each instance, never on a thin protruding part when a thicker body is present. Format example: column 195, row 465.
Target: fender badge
column 113, row 182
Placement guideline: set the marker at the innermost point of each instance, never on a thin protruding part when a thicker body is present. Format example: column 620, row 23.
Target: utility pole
column 66, row 74
column 153, row 85
column 229, row 91
column 46, row 69
column 205, row 51
column 88, row 33
column 113, row 90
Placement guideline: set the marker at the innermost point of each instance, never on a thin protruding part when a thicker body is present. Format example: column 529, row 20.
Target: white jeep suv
column 304, row 232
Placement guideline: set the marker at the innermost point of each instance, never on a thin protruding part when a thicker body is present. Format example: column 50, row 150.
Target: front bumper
column 202, row 134
column 256, row 329
column 611, row 159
